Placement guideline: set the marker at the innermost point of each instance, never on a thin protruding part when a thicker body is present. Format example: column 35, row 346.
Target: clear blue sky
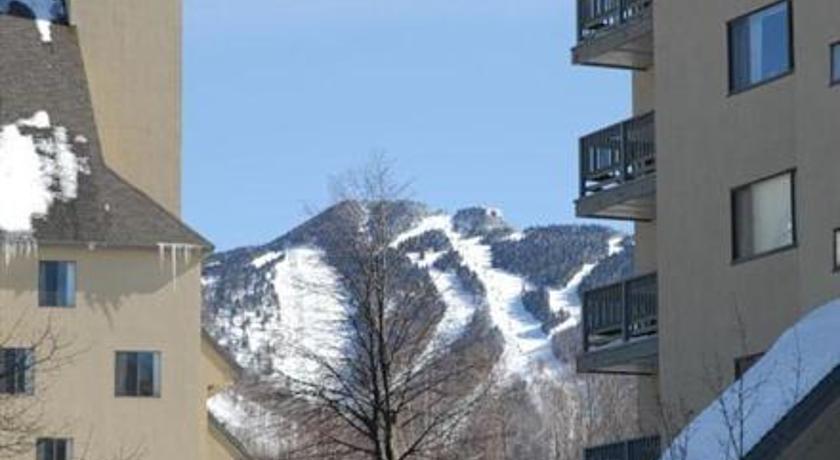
column 474, row 100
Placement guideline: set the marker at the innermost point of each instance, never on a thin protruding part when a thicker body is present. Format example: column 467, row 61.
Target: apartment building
column 101, row 355
column 728, row 167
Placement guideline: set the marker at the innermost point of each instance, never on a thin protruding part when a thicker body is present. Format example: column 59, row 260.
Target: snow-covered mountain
column 514, row 292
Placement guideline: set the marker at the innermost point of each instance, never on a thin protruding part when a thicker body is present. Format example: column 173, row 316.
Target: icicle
column 161, row 254
column 172, row 250
column 18, row 244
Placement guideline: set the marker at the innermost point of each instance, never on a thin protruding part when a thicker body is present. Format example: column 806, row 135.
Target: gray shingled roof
column 108, row 211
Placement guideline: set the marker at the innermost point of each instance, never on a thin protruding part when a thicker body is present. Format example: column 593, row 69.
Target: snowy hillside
column 513, row 294
column 267, row 303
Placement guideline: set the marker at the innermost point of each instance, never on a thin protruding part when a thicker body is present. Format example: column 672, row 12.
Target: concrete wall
column 710, row 142
column 126, row 301
column 132, row 54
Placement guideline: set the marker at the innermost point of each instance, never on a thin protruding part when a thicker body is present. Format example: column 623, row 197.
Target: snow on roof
column 796, row 364
column 35, row 171
column 45, row 13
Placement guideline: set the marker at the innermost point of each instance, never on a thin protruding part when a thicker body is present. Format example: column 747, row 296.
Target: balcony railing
column 637, row 449
column 598, row 17
column 618, row 154
column 620, row 312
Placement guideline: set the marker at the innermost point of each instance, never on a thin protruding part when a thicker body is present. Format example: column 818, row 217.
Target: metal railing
column 620, row 312
column 636, row 449
column 618, row 154
column 597, row 17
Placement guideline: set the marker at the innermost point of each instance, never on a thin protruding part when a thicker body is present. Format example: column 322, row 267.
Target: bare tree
column 388, row 390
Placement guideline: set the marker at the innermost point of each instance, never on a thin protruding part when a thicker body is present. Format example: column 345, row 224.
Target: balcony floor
column 638, row 357
column 635, row 200
column 628, row 46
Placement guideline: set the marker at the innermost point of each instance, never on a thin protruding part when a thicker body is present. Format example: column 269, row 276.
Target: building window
column 763, row 217
column 837, row 249
column 760, row 47
column 17, row 371
column 54, row 449
column 57, row 284
column 138, row 374
column 835, row 63
column 744, row 363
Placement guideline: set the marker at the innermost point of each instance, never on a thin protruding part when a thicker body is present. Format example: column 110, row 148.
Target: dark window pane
column 837, row 249
column 60, row 449
column 835, row 63
column 126, row 374
column 57, row 284
column 46, row 450
column 17, row 370
column 775, row 43
column 146, row 374
column 54, row 449
column 138, row 374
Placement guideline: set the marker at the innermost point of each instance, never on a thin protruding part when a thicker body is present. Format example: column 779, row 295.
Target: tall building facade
column 728, row 168
column 101, row 354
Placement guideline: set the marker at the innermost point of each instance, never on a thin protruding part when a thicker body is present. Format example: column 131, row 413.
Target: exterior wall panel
column 125, row 301
column 132, row 54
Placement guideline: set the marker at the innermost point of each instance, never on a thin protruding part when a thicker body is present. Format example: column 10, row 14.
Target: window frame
column 28, row 372
column 75, row 266
column 833, row 63
column 836, row 245
column 733, row 219
column 732, row 91
column 68, row 447
column 157, row 380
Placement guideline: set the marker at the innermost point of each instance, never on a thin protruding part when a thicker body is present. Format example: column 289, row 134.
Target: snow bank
column 45, row 11
column 799, row 360
column 34, row 173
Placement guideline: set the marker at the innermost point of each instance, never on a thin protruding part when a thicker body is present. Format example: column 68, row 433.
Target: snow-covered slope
column 270, row 304
column 510, row 295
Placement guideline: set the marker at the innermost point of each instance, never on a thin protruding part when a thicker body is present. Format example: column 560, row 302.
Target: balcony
column 615, row 33
column 620, row 324
column 618, row 171
column 637, row 449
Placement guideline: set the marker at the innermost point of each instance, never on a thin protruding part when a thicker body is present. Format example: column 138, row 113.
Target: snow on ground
column 266, row 259
column 311, row 314
column 45, row 11
column 35, row 172
column 799, row 360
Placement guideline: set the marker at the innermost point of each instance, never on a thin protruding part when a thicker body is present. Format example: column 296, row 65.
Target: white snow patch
column 311, row 313
column 568, row 300
column 614, row 245
column 460, row 307
column 46, row 12
column 34, row 173
column 799, row 360
column 266, row 259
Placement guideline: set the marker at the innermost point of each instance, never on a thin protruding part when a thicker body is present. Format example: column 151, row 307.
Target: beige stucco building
column 101, row 351
column 729, row 169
